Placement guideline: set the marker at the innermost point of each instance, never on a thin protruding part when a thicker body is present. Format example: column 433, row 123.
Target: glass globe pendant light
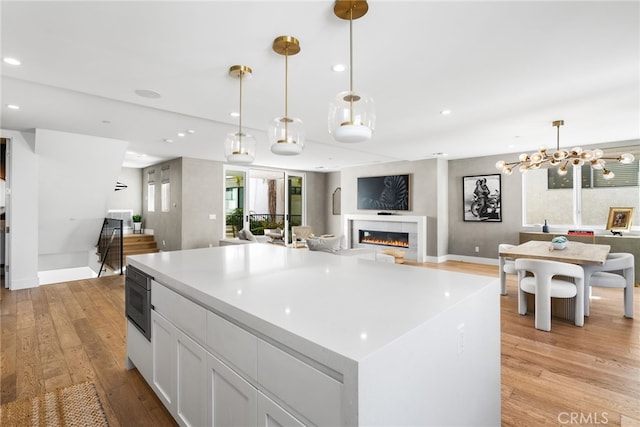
column 352, row 114
column 240, row 147
column 286, row 134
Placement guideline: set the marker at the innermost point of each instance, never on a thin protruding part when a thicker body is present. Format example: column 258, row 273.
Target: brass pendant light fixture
column 286, row 134
column 561, row 158
column 352, row 114
column 240, row 147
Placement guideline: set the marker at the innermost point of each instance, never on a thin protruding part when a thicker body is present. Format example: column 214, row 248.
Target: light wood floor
column 66, row 333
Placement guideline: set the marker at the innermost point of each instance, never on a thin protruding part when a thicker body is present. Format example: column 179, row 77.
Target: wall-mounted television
column 389, row 193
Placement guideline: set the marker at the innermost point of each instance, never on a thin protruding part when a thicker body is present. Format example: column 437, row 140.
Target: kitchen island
column 261, row 334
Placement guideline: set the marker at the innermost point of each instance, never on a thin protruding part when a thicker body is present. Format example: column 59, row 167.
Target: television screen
column 389, row 192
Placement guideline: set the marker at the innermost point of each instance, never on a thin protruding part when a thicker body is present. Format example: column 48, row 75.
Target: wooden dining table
column 574, row 253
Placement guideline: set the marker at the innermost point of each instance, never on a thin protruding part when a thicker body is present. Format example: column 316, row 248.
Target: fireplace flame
column 396, row 243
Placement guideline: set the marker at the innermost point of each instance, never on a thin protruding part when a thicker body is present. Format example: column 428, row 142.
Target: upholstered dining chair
column 617, row 272
column 546, row 284
column 507, row 266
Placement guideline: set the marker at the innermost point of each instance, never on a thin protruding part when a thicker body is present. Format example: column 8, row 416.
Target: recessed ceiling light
column 338, row 68
column 147, row 93
column 180, row 134
column 106, row 122
column 168, row 140
column 191, row 131
column 234, row 114
column 445, row 112
column 13, row 106
column 12, row 61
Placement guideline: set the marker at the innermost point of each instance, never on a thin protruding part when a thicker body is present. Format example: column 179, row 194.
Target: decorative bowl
column 559, row 242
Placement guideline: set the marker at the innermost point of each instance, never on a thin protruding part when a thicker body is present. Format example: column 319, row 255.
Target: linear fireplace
column 384, row 238
column 414, row 226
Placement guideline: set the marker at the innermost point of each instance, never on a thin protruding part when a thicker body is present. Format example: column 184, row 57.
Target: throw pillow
column 242, row 235
column 331, row 244
column 249, row 236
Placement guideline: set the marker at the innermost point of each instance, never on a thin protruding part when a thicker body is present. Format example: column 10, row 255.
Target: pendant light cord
column 351, row 63
column 240, row 118
column 286, row 94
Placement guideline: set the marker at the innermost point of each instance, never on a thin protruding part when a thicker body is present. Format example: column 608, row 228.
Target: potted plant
column 137, row 223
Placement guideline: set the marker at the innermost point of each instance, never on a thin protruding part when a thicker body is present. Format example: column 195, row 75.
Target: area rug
column 76, row 405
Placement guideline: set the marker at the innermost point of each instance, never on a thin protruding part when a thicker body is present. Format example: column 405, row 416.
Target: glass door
column 266, row 202
column 261, row 199
column 295, row 201
column 234, row 200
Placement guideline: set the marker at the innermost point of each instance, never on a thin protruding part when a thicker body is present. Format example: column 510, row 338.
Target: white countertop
column 343, row 304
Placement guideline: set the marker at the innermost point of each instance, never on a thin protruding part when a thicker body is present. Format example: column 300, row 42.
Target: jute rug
column 76, row 405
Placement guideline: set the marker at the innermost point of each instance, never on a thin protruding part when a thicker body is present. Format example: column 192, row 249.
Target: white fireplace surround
column 416, row 226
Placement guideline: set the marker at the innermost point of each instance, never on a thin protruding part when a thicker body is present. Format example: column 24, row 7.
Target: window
column 151, row 191
column 165, row 190
column 165, row 196
column 582, row 197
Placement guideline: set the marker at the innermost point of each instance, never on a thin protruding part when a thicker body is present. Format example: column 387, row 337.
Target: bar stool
column 617, row 272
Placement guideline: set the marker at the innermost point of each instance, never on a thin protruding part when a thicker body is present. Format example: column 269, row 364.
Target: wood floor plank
column 586, row 371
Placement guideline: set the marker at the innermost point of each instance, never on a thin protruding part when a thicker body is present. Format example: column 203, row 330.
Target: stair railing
column 109, row 247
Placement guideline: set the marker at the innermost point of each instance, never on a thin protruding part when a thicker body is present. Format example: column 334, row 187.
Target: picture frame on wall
column 619, row 219
column 482, row 198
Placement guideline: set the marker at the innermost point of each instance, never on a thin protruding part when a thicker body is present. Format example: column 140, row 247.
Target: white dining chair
column 507, row 266
column 546, row 284
column 618, row 271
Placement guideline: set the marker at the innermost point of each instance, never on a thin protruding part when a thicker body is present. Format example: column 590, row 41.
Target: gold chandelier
column 562, row 158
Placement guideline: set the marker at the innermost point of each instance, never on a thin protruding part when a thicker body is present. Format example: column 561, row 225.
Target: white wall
column 23, row 210
column 76, row 175
column 130, row 197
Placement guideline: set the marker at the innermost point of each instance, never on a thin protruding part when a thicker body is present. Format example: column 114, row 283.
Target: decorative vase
column 545, row 227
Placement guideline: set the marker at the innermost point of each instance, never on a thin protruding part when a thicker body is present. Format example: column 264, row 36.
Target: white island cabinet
column 264, row 335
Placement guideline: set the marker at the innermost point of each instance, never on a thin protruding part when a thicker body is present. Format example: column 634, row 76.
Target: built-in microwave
column 138, row 300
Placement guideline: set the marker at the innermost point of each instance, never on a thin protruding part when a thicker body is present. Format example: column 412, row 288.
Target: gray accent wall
column 166, row 226
column 428, row 189
column 202, row 198
column 465, row 236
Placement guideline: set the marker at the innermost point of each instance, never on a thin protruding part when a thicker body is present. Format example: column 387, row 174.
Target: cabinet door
column 271, row 414
column 191, row 382
column 163, row 341
column 233, row 400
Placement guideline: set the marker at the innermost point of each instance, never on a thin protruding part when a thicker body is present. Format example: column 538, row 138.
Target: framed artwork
column 481, row 198
column 619, row 219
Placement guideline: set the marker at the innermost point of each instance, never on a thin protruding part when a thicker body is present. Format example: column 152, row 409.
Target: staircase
column 135, row 244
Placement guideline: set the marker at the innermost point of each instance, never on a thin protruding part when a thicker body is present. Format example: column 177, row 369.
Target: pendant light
column 239, row 146
column 286, row 133
column 563, row 158
column 352, row 114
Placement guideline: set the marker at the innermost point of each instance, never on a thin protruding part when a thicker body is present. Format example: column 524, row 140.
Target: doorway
column 262, row 199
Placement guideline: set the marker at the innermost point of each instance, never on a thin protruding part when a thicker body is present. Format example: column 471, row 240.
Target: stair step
column 141, row 251
column 136, row 244
column 134, row 238
column 139, row 245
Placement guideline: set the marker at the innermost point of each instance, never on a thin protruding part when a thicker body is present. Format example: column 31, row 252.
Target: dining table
column 574, row 253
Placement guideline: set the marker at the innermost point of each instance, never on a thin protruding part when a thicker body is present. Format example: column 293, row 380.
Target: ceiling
column 506, row 70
